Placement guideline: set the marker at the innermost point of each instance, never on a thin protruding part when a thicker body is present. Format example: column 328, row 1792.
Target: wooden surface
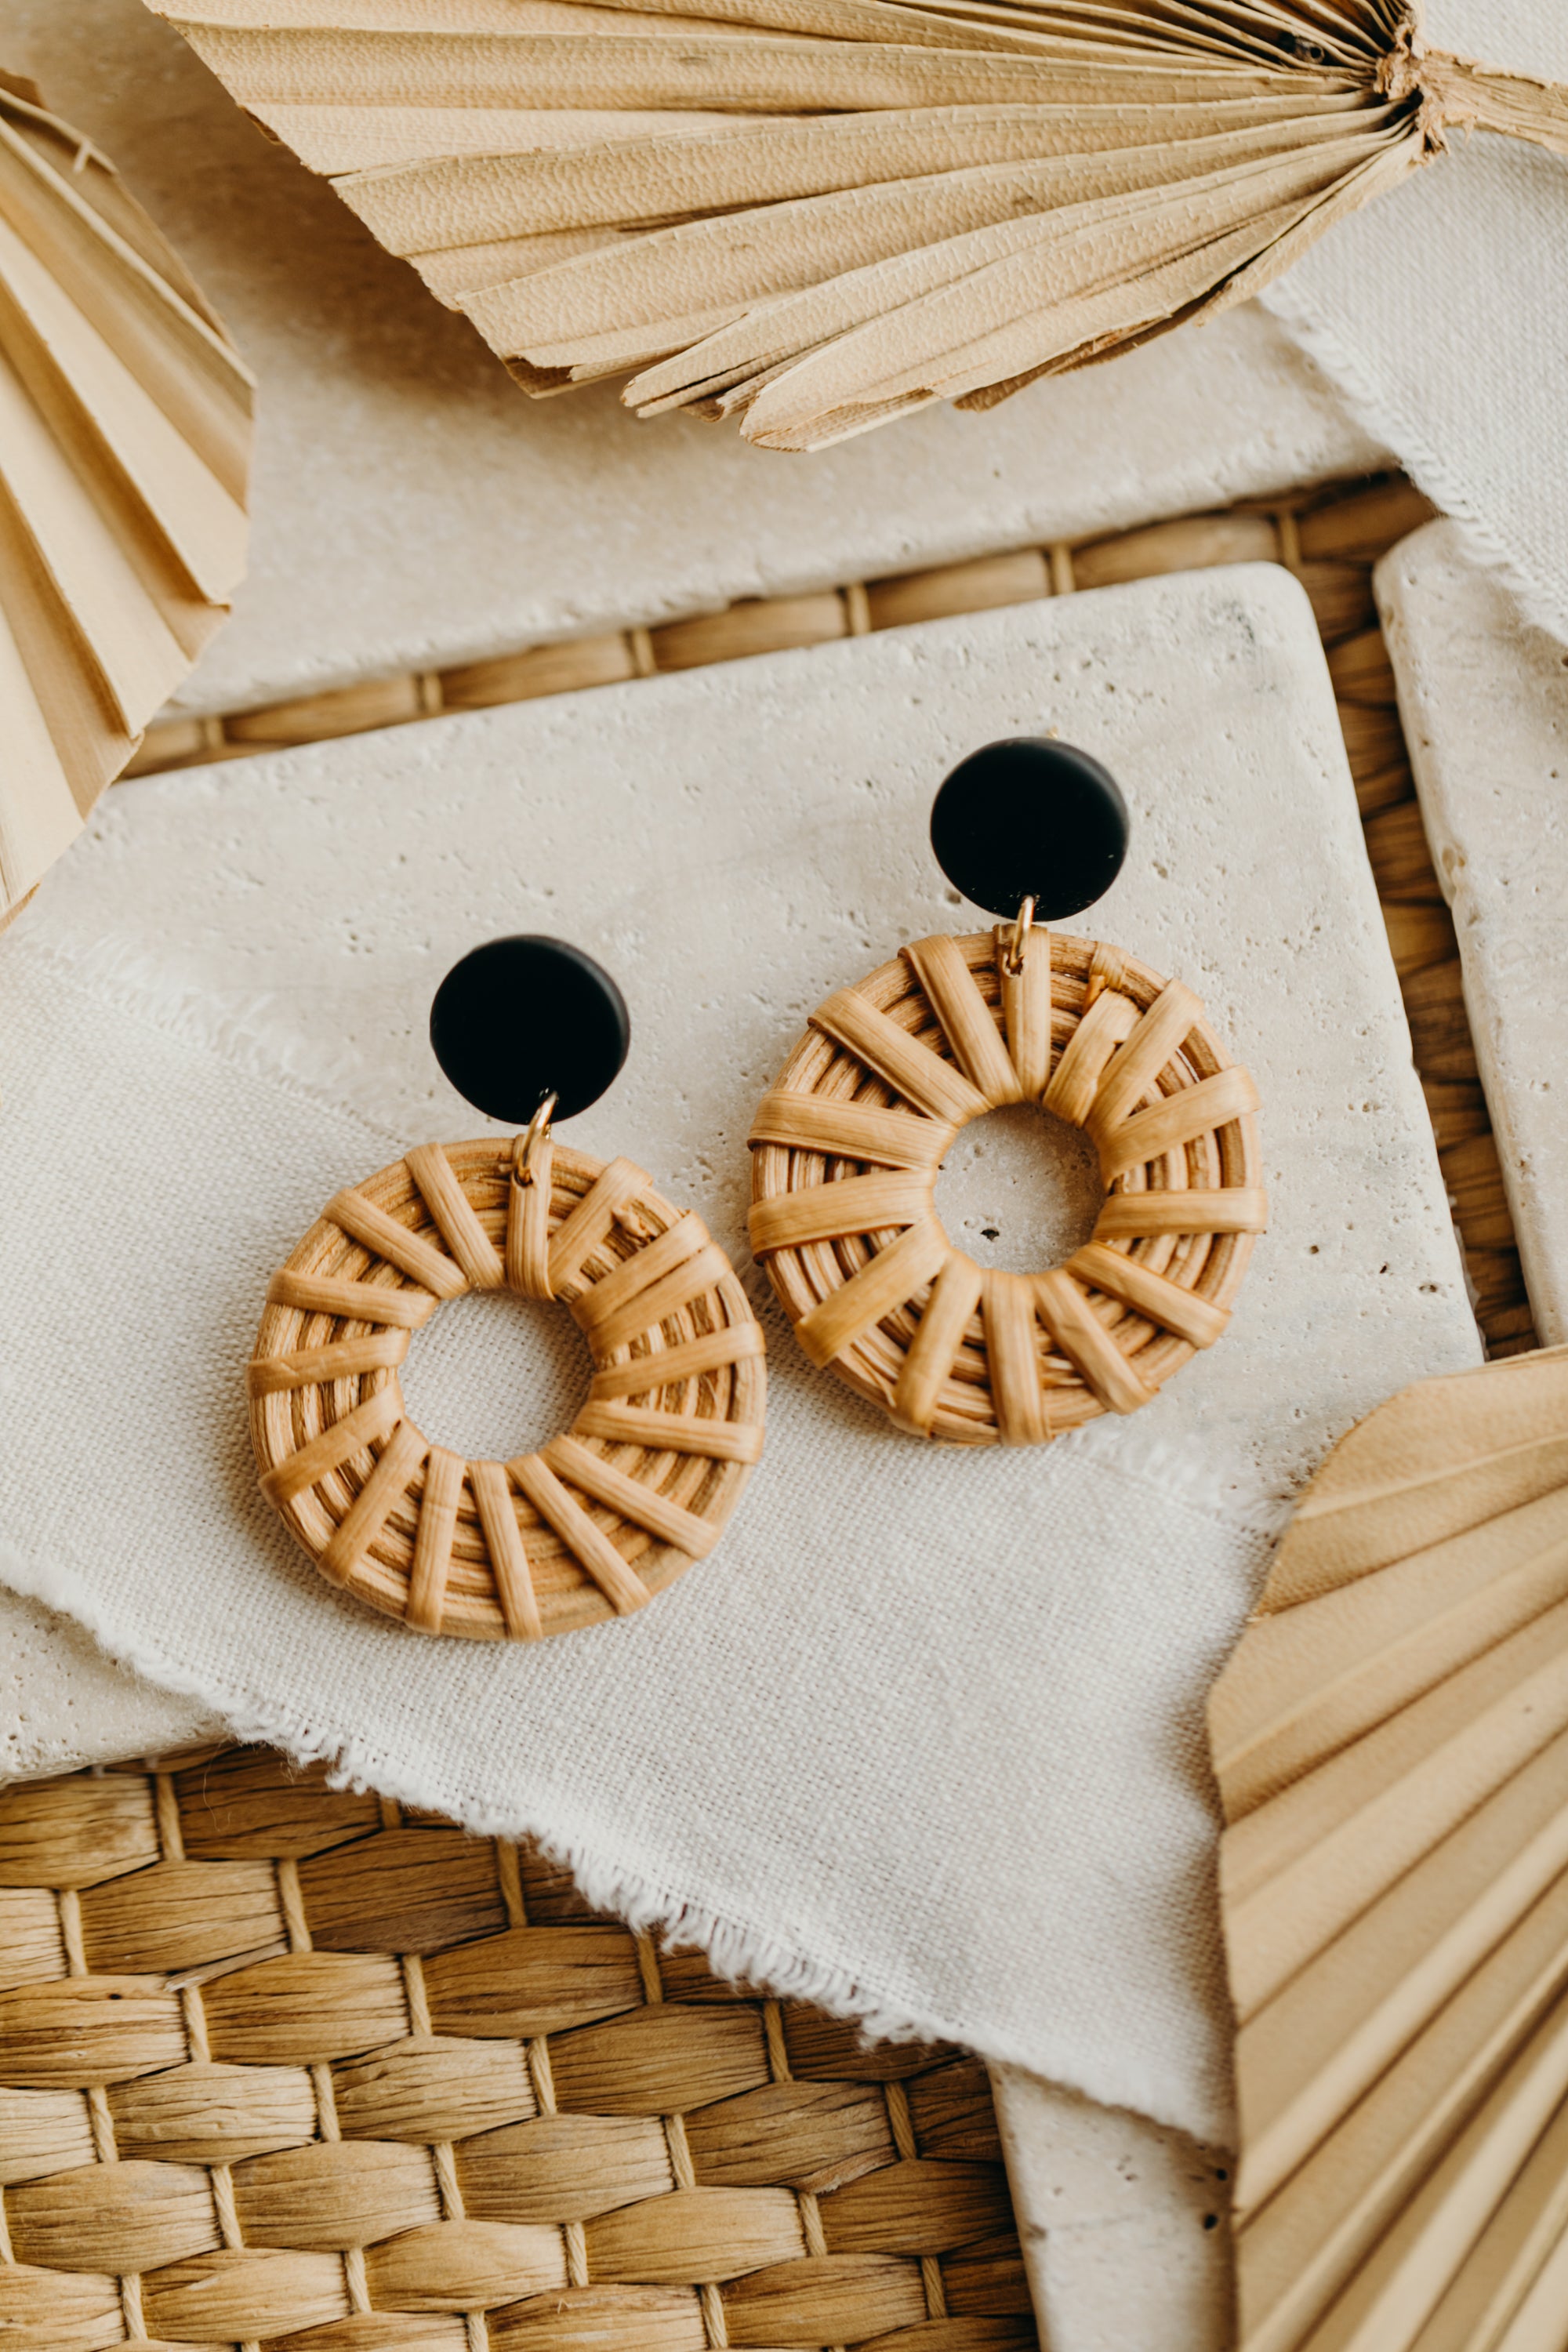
column 603, row 1517
column 281, row 2065
column 1391, row 1739
column 1329, row 538
column 843, row 1185
column 124, row 448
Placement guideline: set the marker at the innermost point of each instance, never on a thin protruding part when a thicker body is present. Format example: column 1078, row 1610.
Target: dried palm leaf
column 124, row 440
column 1391, row 1739
column 818, row 214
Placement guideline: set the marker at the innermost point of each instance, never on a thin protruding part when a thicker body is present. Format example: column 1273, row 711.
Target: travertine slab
column 413, row 508
column 734, row 840
column 63, row 1704
column 1125, row 2224
column 1485, row 704
column 769, row 817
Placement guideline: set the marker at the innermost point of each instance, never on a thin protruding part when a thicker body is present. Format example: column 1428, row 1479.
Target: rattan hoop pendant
column 609, row 1513
column 847, row 1145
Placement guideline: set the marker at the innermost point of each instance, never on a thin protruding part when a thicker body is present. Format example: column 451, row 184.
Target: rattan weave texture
column 280, row 2066
column 847, row 1146
column 606, row 1516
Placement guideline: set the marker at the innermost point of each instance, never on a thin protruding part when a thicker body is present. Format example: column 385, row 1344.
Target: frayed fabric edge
column 133, row 985
column 1539, row 602
column 739, row 1952
column 1241, row 1497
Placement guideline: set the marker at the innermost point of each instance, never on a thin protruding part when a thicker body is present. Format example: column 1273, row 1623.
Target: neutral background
column 926, row 1735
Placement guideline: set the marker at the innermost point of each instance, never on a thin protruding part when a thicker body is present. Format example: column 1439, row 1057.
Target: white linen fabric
column 924, row 1738
column 1440, row 312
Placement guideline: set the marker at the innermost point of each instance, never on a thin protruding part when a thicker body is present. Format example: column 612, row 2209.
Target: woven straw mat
column 280, row 2065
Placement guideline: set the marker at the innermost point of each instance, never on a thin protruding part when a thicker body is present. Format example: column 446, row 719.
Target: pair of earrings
column 846, row 1148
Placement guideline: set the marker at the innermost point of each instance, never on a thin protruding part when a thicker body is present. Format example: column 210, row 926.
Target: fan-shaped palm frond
column 1391, row 1741
column 818, row 214
column 124, row 443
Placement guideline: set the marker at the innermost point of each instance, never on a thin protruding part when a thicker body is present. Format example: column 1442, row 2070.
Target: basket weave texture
column 603, row 1517
column 846, row 1147
column 280, row 2066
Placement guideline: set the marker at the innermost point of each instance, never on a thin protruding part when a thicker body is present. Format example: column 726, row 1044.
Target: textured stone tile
column 64, row 1704
column 736, row 840
column 1124, row 2223
column 1485, row 704
column 413, row 508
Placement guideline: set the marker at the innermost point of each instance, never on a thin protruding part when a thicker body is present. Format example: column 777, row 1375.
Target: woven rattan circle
column 600, row 1520
column 846, row 1147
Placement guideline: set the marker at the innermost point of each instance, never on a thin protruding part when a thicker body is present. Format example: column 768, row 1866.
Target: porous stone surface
column 779, row 805
column 735, row 840
column 1124, row 2223
column 413, row 508
column 63, row 1704
column 1484, row 698
column 1520, row 35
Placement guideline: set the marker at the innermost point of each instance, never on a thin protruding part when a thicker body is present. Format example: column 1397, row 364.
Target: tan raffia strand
column 125, row 446
column 280, row 2066
column 1391, row 1743
column 847, row 1145
column 815, row 216
column 595, row 1522
column 1330, row 539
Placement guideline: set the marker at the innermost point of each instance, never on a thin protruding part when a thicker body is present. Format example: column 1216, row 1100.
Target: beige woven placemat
column 279, row 2065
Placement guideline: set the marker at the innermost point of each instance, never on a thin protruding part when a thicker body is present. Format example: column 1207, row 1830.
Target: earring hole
column 495, row 1375
column 1020, row 1190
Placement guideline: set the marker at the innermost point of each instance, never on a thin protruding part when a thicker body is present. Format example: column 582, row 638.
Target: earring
column 847, row 1145
column 599, row 1520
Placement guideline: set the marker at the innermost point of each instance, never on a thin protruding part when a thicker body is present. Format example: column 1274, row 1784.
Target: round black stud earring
column 847, row 1145
column 521, row 1020
column 601, row 1519
column 1030, row 823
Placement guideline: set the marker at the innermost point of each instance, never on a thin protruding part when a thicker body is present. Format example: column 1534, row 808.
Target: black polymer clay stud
column 1030, row 821
column 520, row 1019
